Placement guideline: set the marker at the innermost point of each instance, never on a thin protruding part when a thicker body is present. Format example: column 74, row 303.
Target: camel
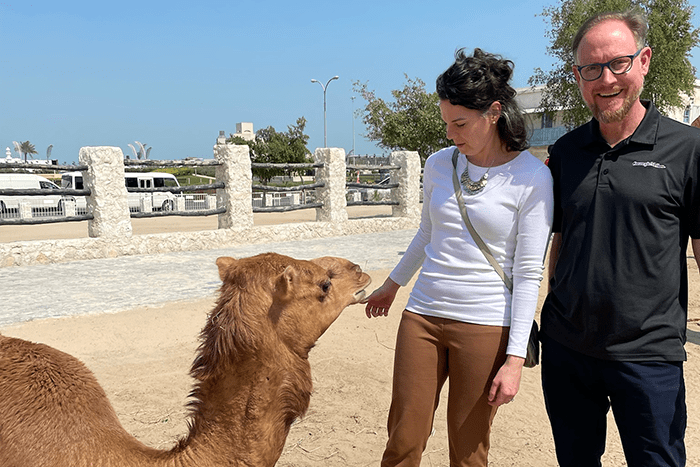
column 251, row 371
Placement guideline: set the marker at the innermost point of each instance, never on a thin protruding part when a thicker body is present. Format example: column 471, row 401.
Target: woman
column 461, row 320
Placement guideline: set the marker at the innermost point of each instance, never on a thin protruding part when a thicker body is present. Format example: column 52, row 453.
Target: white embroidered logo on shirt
column 655, row 165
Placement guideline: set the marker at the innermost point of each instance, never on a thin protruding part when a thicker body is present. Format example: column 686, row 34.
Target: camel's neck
column 245, row 415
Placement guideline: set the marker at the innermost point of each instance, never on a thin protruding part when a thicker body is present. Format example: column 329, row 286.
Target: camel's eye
column 326, row 286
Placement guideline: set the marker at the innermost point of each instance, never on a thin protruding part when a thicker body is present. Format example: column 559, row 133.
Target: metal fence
column 37, row 208
column 46, row 204
column 365, row 185
column 274, row 198
column 370, row 185
column 186, row 200
column 110, row 233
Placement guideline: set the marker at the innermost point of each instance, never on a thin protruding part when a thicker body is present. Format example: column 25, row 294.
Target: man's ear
column 645, row 59
column 577, row 76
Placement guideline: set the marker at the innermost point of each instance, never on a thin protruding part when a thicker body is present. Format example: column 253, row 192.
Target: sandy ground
column 142, row 358
column 13, row 233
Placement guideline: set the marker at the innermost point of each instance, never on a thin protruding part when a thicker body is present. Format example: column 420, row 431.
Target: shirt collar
column 646, row 133
column 648, row 129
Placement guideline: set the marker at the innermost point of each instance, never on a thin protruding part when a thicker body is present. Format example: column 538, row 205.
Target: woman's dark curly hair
column 476, row 82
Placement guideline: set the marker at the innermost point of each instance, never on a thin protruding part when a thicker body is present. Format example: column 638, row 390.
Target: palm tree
column 27, row 148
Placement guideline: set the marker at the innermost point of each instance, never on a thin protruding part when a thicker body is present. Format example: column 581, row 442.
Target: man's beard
column 615, row 116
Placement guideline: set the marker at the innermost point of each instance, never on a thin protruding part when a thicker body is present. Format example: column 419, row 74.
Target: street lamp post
column 325, row 137
column 353, row 125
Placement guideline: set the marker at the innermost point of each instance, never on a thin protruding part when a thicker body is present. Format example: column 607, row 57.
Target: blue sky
column 173, row 74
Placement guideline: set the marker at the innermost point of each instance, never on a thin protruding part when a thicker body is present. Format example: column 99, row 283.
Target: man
column 626, row 191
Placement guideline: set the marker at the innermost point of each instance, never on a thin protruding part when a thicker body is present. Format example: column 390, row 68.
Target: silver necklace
column 473, row 187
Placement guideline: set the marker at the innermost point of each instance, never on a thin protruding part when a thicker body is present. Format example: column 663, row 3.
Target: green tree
column 671, row 37
column 273, row 147
column 412, row 122
column 27, row 148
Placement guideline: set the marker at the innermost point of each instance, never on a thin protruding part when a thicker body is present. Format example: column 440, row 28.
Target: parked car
column 162, row 200
column 29, row 181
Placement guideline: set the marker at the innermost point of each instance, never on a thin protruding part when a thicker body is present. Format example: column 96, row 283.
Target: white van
column 74, row 180
column 48, row 202
column 162, row 200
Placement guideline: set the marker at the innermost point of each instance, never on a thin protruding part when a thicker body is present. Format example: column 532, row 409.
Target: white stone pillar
column 332, row 195
column 237, row 196
column 210, row 202
column 408, row 177
column 69, row 207
column 146, row 202
column 179, row 203
column 108, row 202
column 24, row 210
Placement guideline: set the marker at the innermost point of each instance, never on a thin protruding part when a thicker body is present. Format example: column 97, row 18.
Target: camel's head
column 271, row 299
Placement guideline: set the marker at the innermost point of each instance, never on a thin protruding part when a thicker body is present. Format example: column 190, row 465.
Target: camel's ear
column 225, row 263
column 286, row 282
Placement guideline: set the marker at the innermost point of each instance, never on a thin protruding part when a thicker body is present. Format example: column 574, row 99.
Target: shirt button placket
column 604, row 170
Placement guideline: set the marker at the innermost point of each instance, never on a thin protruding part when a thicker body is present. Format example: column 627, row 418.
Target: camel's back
column 51, row 406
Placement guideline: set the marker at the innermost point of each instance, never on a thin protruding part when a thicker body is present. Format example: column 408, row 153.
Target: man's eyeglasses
column 617, row 66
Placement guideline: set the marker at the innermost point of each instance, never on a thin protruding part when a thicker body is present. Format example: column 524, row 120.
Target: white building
column 546, row 131
column 245, row 131
column 689, row 112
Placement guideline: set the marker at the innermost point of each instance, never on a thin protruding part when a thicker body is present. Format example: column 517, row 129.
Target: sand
column 142, row 356
column 64, row 230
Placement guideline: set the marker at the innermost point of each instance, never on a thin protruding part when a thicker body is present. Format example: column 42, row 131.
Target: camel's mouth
column 360, row 294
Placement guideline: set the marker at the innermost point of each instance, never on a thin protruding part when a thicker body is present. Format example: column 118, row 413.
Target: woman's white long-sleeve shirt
column 513, row 215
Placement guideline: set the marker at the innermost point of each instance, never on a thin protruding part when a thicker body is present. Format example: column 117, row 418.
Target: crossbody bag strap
column 479, row 242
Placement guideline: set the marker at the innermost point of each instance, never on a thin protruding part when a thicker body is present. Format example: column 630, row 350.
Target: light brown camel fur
column 252, row 376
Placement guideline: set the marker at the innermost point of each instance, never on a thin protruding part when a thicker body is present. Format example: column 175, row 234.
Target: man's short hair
column 634, row 18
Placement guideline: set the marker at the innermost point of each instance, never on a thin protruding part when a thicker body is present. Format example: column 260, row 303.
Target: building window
column 686, row 115
column 546, row 121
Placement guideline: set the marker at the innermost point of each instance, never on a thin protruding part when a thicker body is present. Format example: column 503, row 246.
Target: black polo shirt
column 620, row 290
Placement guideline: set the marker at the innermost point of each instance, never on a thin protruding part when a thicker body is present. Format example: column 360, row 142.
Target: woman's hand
column 379, row 302
column 507, row 381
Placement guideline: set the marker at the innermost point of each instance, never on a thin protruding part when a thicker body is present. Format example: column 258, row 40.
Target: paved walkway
column 112, row 285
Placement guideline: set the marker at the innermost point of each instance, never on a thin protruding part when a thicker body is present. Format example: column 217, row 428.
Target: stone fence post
column 108, row 201
column 237, row 196
column 408, row 177
column 332, row 195
column 25, row 210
